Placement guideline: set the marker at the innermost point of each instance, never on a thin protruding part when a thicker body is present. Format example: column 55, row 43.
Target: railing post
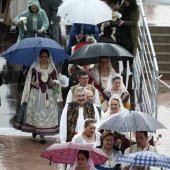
column 147, row 68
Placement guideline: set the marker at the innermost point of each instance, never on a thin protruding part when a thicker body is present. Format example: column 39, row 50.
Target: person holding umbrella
column 83, row 162
column 100, row 73
column 38, row 114
column 141, row 145
column 79, row 33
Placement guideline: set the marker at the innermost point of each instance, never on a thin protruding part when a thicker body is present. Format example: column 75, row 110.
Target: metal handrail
column 146, row 69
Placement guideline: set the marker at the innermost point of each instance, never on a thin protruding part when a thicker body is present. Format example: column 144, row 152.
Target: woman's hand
column 36, row 84
column 121, row 22
column 126, row 168
column 106, row 24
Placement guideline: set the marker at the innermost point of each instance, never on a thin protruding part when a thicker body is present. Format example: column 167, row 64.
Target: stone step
column 159, row 29
column 160, row 37
column 163, row 56
column 164, row 65
column 161, row 47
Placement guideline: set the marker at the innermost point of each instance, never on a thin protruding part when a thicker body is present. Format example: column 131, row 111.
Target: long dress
column 39, row 113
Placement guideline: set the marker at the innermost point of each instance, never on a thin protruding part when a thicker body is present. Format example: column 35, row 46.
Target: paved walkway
column 23, row 152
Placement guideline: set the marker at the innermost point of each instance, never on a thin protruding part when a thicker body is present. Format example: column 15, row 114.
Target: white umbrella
column 131, row 121
column 85, row 11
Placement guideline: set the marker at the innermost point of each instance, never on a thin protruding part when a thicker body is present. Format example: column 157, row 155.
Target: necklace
column 89, row 138
column 108, row 150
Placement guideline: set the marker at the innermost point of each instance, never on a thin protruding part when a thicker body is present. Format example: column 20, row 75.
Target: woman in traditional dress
column 38, row 114
column 88, row 134
column 115, row 105
column 116, row 86
column 100, row 72
column 83, row 162
column 107, row 148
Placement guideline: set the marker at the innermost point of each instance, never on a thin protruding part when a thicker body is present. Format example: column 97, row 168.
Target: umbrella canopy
column 67, row 153
column 131, row 121
column 26, row 51
column 145, row 158
column 85, row 11
column 89, row 54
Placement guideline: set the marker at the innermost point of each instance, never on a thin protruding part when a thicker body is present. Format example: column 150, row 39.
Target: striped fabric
column 66, row 153
column 145, row 158
column 131, row 121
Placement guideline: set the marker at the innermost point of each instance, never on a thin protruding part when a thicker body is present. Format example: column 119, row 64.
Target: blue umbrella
column 145, row 158
column 26, row 51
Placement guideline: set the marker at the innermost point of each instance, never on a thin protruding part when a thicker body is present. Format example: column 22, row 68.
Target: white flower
column 24, row 19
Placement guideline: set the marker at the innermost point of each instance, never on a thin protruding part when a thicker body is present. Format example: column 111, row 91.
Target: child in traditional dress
column 83, row 161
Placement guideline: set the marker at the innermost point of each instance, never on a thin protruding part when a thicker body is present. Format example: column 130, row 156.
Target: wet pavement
column 23, row 153
column 19, row 151
column 156, row 2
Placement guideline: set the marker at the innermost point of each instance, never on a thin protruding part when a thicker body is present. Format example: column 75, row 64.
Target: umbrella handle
column 50, row 160
column 130, row 142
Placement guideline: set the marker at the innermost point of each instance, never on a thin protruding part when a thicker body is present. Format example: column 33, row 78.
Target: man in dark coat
column 51, row 9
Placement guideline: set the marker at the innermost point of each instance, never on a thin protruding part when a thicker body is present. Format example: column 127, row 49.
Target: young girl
column 83, row 161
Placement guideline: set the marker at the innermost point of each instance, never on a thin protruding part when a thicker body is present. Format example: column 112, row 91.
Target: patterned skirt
column 36, row 117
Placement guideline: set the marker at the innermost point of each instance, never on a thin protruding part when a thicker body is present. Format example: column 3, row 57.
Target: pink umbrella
column 66, row 153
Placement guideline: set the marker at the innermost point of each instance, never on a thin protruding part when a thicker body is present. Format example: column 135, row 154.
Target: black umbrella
column 89, row 54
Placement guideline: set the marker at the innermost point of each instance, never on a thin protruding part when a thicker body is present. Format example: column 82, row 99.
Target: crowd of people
column 95, row 93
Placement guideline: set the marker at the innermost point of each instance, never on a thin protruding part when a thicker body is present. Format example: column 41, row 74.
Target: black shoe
column 43, row 141
column 34, row 135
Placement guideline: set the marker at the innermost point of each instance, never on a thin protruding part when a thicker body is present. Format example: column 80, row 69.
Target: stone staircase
column 161, row 41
